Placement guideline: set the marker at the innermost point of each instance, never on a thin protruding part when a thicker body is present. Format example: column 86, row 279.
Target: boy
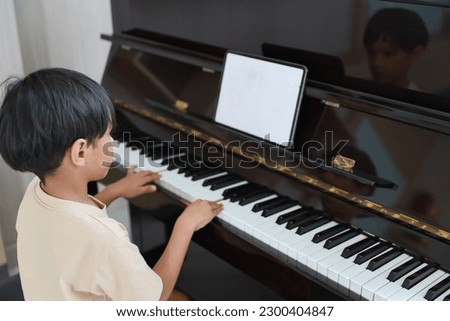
column 395, row 39
column 56, row 123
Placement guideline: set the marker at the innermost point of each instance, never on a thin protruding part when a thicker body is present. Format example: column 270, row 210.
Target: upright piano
column 358, row 208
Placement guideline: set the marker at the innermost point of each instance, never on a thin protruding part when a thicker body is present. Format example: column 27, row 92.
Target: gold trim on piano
column 181, row 105
column 290, row 172
column 344, row 163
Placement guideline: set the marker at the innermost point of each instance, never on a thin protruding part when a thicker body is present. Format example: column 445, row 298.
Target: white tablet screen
column 260, row 97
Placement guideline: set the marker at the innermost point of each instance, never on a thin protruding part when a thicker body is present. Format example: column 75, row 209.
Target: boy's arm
column 194, row 217
column 130, row 186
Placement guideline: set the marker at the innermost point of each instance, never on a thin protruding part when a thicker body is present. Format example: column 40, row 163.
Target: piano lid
column 415, row 32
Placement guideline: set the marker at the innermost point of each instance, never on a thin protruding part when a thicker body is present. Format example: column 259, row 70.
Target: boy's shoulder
column 39, row 208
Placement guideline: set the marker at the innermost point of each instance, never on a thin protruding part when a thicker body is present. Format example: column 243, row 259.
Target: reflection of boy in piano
column 395, row 39
column 56, row 123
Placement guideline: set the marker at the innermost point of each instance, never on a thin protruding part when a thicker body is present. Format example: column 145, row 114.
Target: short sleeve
column 123, row 275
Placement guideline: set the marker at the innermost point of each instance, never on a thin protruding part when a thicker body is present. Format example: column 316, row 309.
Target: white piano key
column 370, row 287
column 204, row 192
column 383, row 293
column 330, row 256
column 420, row 296
column 191, row 190
column 443, row 295
column 243, row 217
column 253, row 219
column 405, row 294
column 304, row 253
column 274, row 234
column 357, row 283
column 296, row 243
column 290, row 237
column 270, row 226
column 324, row 265
column 197, row 186
column 335, row 261
column 346, row 275
column 128, row 156
column 269, row 233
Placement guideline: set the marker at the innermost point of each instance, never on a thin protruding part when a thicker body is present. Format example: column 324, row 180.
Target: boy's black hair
column 43, row 114
column 399, row 26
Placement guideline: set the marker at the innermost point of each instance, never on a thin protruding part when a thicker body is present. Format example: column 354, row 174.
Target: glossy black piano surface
column 165, row 77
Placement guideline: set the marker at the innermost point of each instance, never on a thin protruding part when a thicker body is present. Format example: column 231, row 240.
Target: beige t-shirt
column 73, row 251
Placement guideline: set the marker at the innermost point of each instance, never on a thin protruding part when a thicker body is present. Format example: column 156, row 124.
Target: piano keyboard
column 358, row 265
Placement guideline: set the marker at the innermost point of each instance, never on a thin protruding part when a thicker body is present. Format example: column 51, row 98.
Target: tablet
column 261, row 97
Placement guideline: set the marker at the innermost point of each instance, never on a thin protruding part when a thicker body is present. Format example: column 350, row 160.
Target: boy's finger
column 131, row 169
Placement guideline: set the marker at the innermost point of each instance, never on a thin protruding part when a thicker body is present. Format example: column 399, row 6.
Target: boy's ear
column 78, row 152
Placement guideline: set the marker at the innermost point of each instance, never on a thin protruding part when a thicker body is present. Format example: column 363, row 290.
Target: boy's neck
column 67, row 187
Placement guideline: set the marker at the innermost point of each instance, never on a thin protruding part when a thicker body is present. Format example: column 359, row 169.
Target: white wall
column 46, row 33
column 64, row 33
column 11, row 183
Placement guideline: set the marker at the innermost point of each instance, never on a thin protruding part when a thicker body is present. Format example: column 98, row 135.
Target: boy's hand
column 200, row 213
column 130, row 186
column 136, row 183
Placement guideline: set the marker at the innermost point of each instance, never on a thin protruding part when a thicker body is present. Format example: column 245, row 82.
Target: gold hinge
column 344, row 163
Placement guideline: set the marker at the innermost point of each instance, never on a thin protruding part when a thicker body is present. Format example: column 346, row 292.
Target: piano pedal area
column 352, row 263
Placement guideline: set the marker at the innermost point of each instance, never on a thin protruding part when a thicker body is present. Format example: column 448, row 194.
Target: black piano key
column 403, row 269
column 370, row 253
column 152, row 150
column 438, row 289
column 266, row 204
column 206, row 172
column 140, row 142
column 171, row 153
column 235, row 191
column 171, row 165
column 292, row 215
column 180, row 161
column 210, row 181
column 190, row 171
column 418, row 276
column 248, row 193
column 135, row 145
column 381, row 260
column 274, row 209
column 143, row 139
column 311, row 225
column 188, row 163
column 358, row 247
column 225, row 183
column 329, row 232
column 176, row 163
column 340, row 238
column 166, row 159
column 188, row 166
column 297, row 221
column 162, row 152
column 447, row 298
column 254, row 196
